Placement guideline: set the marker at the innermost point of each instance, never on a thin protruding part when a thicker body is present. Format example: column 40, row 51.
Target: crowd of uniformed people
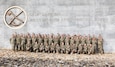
column 59, row 43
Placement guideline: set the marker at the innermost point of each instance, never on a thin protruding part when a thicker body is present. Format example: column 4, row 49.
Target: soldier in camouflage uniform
column 71, row 43
column 80, row 49
column 13, row 41
column 62, row 46
column 18, row 42
column 58, row 37
column 76, row 39
column 100, row 44
column 23, row 42
column 34, row 39
column 42, row 47
column 39, row 40
column 57, row 48
column 85, row 49
column 29, row 43
column 52, row 48
column 46, row 44
column 82, row 40
column 35, row 47
column 61, row 39
column 50, row 41
column 94, row 44
column 88, row 41
column 55, row 40
column 91, row 49
column 73, row 48
column 67, row 46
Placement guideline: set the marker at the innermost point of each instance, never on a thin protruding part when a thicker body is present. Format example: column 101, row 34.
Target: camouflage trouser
column 41, row 49
column 100, row 50
column 62, row 50
column 80, row 49
column 91, row 51
column 28, row 47
column 23, row 46
column 18, row 46
column 13, row 46
column 35, row 48
column 52, row 50
column 85, row 51
column 67, row 51
column 73, row 50
column 47, row 49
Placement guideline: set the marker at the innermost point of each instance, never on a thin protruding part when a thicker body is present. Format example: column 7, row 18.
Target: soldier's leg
column 66, row 51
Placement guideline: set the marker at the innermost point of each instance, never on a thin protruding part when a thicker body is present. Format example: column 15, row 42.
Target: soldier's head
column 62, row 43
column 84, row 44
column 33, row 34
column 35, row 42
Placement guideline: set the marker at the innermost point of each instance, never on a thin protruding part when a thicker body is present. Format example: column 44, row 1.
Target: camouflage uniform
column 57, row 48
column 80, row 49
column 13, row 42
column 61, row 40
column 50, row 41
column 85, row 49
column 62, row 48
column 67, row 46
column 100, row 45
column 76, row 43
column 35, row 47
column 94, row 45
column 42, row 47
column 29, row 44
column 52, row 48
column 73, row 48
column 39, row 40
column 18, row 42
column 91, row 49
column 46, row 44
column 33, row 42
column 23, row 43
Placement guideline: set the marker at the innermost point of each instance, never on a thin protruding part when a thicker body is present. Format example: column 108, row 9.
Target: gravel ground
column 9, row 58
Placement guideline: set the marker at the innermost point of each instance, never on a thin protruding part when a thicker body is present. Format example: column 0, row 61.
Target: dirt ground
column 45, row 59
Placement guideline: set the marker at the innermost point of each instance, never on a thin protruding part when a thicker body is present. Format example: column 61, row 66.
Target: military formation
column 59, row 43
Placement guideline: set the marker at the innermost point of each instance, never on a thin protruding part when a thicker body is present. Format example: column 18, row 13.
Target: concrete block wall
column 63, row 16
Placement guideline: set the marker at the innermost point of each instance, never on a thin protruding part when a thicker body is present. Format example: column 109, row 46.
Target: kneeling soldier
column 67, row 48
column 41, row 48
column 62, row 48
column 57, row 48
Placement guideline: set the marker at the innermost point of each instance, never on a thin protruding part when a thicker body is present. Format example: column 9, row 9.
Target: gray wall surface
column 63, row 16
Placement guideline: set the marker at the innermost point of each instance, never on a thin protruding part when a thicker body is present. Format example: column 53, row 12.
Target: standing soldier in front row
column 80, row 49
column 23, row 42
column 29, row 43
column 18, row 42
column 34, row 39
column 46, row 43
column 94, row 44
column 100, row 44
column 13, row 42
